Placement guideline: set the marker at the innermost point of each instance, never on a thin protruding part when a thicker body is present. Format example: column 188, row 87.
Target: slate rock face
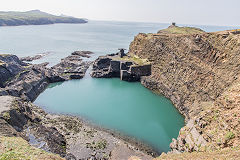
column 18, row 119
column 10, row 66
column 109, row 67
column 101, row 68
column 27, row 81
column 195, row 70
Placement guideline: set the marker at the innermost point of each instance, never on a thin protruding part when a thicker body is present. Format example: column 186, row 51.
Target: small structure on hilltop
column 172, row 25
column 121, row 53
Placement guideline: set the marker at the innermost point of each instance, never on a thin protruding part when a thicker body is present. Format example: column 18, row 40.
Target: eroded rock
column 111, row 66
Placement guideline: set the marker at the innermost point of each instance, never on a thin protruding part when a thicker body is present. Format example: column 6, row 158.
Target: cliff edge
column 199, row 72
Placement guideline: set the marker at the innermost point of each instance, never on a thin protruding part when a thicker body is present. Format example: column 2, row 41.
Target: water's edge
column 146, row 148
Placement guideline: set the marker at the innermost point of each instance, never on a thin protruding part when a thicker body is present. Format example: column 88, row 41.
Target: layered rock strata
column 29, row 80
column 111, row 66
column 196, row 71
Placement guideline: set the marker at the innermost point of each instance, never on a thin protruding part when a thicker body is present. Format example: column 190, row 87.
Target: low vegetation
column 34, row 17
column 181, row 30
column 15, row 148
column 133, row 58
column 230, row 154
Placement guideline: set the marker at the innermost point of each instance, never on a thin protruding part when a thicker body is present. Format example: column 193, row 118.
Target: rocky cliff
column 127, row 68
column 199, row 72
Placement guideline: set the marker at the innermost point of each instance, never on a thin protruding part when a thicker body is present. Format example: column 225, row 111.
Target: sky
column 203, row 12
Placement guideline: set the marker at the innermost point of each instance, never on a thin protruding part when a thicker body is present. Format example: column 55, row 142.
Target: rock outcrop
column 29, row 80
column 10, row 66
column 32, row 58
column 196, row 70
column 67, row 136
column 71, row 67
column 126, row 68
column 16, row 115
column 83, row 53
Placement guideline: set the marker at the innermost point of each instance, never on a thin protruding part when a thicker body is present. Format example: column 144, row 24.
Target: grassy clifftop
column 34, row 17
column 181, row 30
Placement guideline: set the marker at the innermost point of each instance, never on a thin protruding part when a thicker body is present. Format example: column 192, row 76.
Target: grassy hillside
column 34, row 17
column 16, row 148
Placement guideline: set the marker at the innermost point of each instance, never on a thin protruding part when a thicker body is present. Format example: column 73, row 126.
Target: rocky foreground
column 67, row 136
column 199, row 72
column 28, row 132
column 27, row 81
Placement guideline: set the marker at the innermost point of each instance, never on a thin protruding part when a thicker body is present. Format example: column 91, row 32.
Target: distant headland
column 34, row 17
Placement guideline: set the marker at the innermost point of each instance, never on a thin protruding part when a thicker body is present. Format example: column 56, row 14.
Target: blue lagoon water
column 126, row 107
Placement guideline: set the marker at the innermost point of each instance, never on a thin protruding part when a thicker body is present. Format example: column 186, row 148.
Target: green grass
column 34, row 17
column 230, row 135
column 181, row 30
column 133, row 58
column 16, row 148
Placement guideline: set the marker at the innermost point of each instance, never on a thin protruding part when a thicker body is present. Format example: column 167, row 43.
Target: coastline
column 195, row 78
column 39, row 124
column 137, row 144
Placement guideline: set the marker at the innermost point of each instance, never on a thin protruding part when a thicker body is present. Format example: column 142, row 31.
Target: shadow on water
column 52, row 85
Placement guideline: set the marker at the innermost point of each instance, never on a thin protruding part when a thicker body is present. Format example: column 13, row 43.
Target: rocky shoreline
column 198, row 71
column 67, row 136
column 27, row 81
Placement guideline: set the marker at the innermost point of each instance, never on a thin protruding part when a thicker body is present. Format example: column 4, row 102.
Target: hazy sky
column 212, row 12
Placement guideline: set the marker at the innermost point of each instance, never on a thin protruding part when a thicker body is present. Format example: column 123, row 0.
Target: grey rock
column 83, row 53
column 141, row 70
column 115, row 68
column 29, row 80
column 109, row 67
column 10, row 66
column 125, row 65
